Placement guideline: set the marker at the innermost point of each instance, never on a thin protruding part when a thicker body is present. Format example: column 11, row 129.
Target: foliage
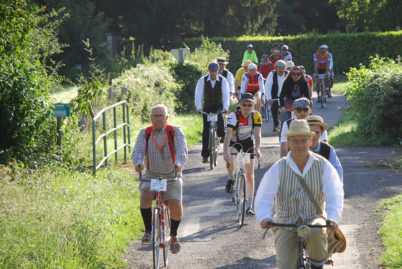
column 27, row 41
column 376, row 94
column 72, row 219
column 146, row 85
column 90, row 89
column 296, row 17
column 390, row 232
column 363, row 15
column 159, row 23
column 84, row 22
column 359, row 48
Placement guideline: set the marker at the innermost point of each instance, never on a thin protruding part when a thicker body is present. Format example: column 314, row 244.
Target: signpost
column 60, row 111
column 180, row 54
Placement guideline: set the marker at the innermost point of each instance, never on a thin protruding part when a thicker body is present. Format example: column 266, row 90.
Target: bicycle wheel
column 166, row 234
column 266, row 111
column 322, row 99
column 156, row 238
column 241, row 205
column 211, row 147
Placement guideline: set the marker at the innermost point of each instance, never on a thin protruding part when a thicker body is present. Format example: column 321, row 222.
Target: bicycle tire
column 241, row 206
column 166, row 233
column 156, row 238
column 211, row 147
column 267, row 112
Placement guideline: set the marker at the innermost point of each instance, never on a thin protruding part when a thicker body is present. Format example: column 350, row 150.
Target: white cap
column 252, row 66
column 289, row 64
column 324, row 46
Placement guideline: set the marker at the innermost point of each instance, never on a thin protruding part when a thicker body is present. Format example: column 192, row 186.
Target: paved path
column 209, row 234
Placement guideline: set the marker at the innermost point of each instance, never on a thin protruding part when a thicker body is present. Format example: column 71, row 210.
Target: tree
column 374, row 15
column 27, row 41
column 296, row 17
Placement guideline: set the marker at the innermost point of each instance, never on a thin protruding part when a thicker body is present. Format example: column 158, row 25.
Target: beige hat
column 246, row 63
column 317, row 120
column 299, row 127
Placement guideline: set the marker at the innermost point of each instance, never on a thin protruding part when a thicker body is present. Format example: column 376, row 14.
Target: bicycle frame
column 213, row 144
column 303, row 231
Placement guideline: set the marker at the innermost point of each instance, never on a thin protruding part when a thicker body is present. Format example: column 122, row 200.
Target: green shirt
column 250, row 56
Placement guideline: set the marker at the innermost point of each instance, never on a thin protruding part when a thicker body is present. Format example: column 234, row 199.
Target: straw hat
column 246, row 63
column 299, row 127
column 317, row 120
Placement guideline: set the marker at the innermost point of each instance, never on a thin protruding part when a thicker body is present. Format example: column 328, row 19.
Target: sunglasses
column 296, row 74
column 300, row 109
column 247, row 105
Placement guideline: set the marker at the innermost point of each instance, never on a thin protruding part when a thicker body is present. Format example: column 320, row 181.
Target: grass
column 341, row 82
column 64, row 94
column 56, row 218
column 391, row 232
column 346, row 133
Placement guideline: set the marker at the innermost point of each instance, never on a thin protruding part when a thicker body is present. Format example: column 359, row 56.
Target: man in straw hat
column 225, row 73
column 280, row 187
column 318, row 127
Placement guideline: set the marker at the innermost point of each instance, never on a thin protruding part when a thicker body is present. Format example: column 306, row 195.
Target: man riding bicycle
column 252, row 82
column 243, row 127
column 164, row 148
column 322, row 59
column 214, row 89
column 281, row 189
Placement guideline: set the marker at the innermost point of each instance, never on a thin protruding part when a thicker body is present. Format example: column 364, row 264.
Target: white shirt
column 332, row 188
column 285, row 130
column 229, row 78
column 270, row 81
column 199, row 91
column 244, row 82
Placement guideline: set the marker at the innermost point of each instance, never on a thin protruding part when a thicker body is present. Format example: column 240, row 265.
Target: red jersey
column 265, row 69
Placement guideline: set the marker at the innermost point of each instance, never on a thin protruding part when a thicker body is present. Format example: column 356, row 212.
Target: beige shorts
column 173, row 192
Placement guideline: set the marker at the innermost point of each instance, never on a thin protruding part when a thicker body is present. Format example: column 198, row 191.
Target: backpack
column 170, row 131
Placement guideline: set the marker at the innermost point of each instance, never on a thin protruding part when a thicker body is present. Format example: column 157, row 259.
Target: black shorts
column 321, row 71
column 247, row 145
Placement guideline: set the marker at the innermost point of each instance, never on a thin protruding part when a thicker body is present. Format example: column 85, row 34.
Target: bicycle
column 214, row 143
column 303, row 231
column 265, row 109
column 240, row 194
column 322, row 91
column 160, row 223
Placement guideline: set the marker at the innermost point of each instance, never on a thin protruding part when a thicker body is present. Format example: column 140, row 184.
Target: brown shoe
column 174, row 245
column 146, row 238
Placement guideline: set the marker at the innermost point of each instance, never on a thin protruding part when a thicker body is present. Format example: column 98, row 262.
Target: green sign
column 61, row 110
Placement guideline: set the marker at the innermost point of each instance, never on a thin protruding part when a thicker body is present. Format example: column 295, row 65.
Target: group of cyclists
column 305, row 152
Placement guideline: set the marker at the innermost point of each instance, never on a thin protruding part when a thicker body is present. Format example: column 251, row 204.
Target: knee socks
column 174, row 225
column 147, row 219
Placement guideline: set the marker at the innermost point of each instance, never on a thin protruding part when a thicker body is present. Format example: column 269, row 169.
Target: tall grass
column 55, row 218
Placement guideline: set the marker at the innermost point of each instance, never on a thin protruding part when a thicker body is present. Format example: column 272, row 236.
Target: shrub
column 349, row 50
column 27, row 41
column 146, row 85
column 376, row 94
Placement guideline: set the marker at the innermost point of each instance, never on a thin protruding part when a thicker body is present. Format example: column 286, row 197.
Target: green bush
column 146, row 85
column 349, row 50
column 27, row 41
column 376, row 95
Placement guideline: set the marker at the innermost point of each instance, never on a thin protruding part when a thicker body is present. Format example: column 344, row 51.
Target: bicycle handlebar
column 328, row 224
column 218, row 112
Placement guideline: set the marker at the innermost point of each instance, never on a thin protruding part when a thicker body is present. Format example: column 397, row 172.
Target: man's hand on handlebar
column 283, row 110
column 139, row 168
column 177, row 168
column 266, row 224
column 333, row 225
column 270, row 102
column 199, row 111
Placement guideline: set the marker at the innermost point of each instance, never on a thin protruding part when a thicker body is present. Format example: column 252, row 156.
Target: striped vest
column 291, row 200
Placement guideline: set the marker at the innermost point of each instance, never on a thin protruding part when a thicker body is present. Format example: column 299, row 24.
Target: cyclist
column 281, row 199
column 214, row 89
column 273, row 87
column 294, row 87
column 287, row 56
column 265, row 67
column 250, row 54
column 165, row 151
column 225, row 73
column 275, row 56
column 243, row 127
column 318, row 126
column 239, row 74
column 322, row 59
column 252, row 82
column 309, row 79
